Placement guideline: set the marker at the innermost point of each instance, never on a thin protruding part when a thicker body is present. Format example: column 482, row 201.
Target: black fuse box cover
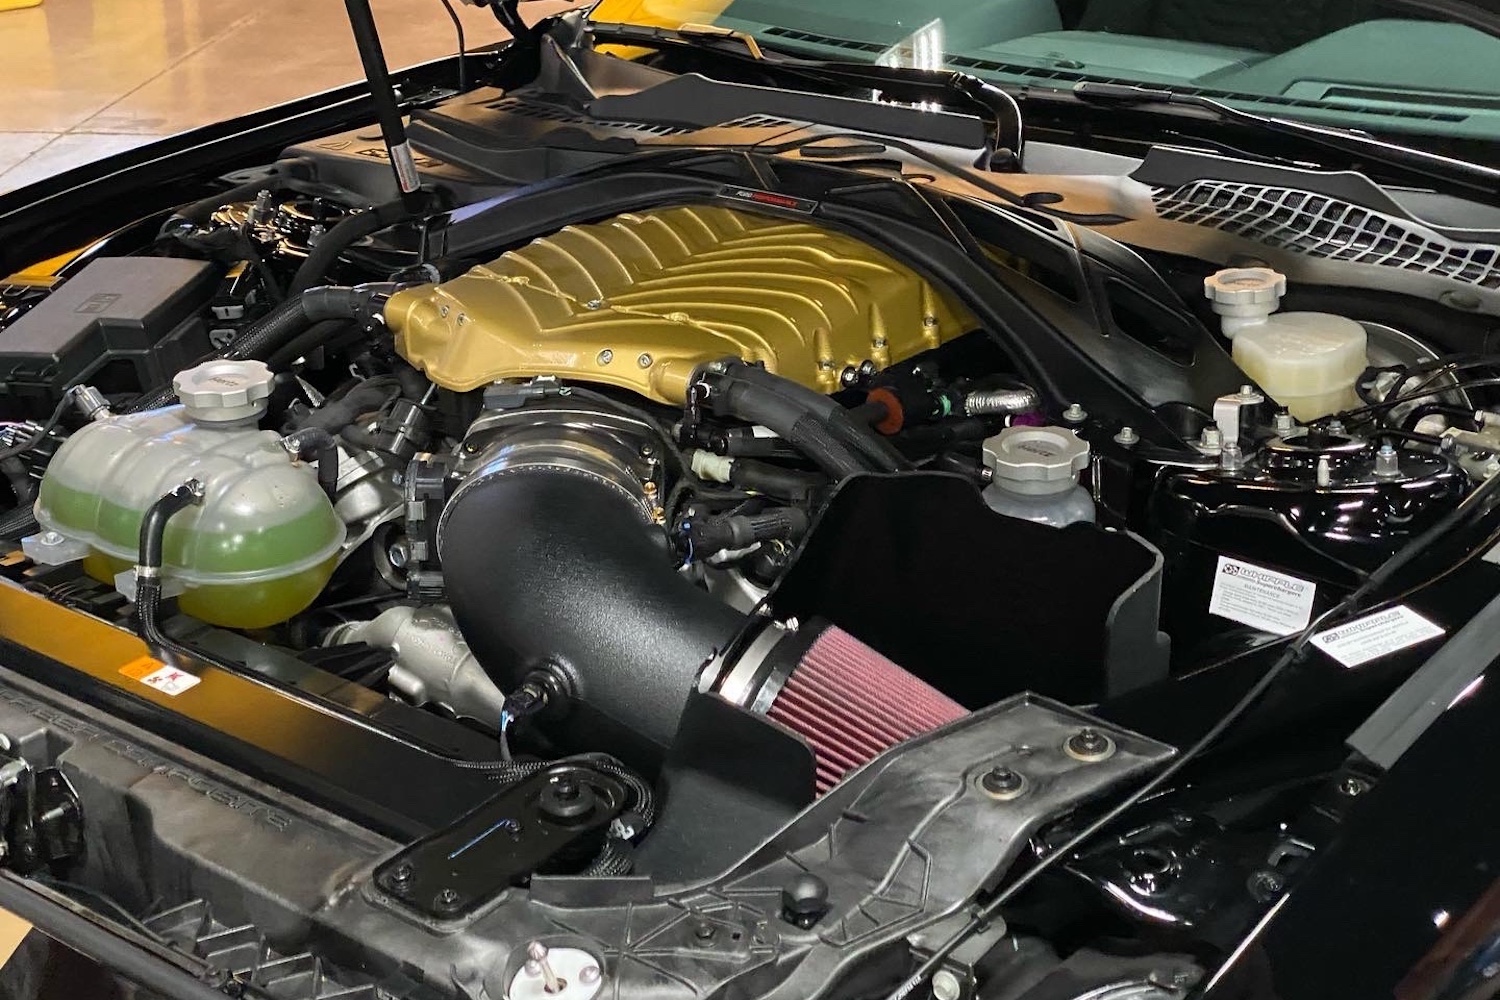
column 123, row 324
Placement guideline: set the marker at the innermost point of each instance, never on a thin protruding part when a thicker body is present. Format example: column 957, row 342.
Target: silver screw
column 879, row 343
column 945, row 986
column 589, row 975
column 1231, row 458
column 929, row 320
column 1284, row 423
column 606, row 356
column 594, row 304
column 1336, row 427
column 1075, row 413
column 1387, row 461
column 51, row 537
column 399, row 553
column 1127, row 436
column 1212, row 440
column 644, row 361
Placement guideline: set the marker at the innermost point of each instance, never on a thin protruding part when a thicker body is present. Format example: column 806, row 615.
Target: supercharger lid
column 1037, row 460
column 224, row 391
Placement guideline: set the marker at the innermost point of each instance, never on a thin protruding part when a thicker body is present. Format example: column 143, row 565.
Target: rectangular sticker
column 1373, row 636
column 167, row 680
column 1261, row 598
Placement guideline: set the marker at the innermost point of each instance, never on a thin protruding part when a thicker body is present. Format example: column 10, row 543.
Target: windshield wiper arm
column 1472, row 176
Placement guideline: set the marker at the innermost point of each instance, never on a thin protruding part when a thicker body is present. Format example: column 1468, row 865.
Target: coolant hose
column 553, row 570
column 813, row 423
column 149, row 561
column 345, row 233
column 262, row 338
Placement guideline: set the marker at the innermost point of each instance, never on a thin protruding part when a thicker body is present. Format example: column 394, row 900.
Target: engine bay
column 700, row 543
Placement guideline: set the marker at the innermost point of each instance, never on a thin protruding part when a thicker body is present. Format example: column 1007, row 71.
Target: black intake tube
column 547, row 569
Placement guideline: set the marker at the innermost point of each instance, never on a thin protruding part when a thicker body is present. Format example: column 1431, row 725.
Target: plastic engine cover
column 641, row 300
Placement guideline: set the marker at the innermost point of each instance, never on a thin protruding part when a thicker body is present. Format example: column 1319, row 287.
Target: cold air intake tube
column 559, row 577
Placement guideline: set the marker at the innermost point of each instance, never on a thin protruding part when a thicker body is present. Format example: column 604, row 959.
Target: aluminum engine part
column 433, row 662
column 641, row 300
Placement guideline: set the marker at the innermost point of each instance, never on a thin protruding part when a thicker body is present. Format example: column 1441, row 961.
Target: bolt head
column 1089, row 744
column 1075, row 413
column 589, row 975
column 1127, row 436
column 644, row 361
column 403, row 873
column 606, row 356
column 536, row 951
column 1003, row 782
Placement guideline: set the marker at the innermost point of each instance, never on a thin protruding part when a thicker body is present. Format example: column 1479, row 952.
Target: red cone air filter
column 850, row 703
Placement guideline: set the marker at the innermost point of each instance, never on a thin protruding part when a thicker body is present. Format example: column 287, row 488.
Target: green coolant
column 258, row 550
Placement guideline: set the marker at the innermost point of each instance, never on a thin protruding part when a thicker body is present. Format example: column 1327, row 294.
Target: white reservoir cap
column 1036, row 460
column 1244, row 293
column 222, row 391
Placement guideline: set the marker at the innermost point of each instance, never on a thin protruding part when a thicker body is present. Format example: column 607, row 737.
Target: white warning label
column 1373, row 636
column 169, row 680
column 1261, row 598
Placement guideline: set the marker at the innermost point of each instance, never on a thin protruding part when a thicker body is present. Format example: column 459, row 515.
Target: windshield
column 1378, row 65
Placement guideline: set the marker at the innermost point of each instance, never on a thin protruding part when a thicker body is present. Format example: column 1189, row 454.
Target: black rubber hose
column 344, row 234
column 366, row 397
column 261, row 339
column 18, row 523
column 738, row 531
column 149, row 561
column 19, row 477
column 316, row 444
column 763, row 477
column 814, row 423
column 592, row 594
column 200, row 211
column 792, row 422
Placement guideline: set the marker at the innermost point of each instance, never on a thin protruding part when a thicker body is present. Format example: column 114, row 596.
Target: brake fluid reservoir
column 265, row 539
column 1308, row 362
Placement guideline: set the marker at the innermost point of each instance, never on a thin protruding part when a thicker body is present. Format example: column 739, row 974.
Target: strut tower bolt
column 1002, row 781
column 1075, row 413
column 537, row 965
column 1089, row 744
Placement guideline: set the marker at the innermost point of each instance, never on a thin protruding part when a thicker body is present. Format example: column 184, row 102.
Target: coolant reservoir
column 1308, row 362
column 1035, row 475
column 265, row 539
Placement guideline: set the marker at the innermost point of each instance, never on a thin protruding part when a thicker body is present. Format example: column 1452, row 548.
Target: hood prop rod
column 387, row 111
